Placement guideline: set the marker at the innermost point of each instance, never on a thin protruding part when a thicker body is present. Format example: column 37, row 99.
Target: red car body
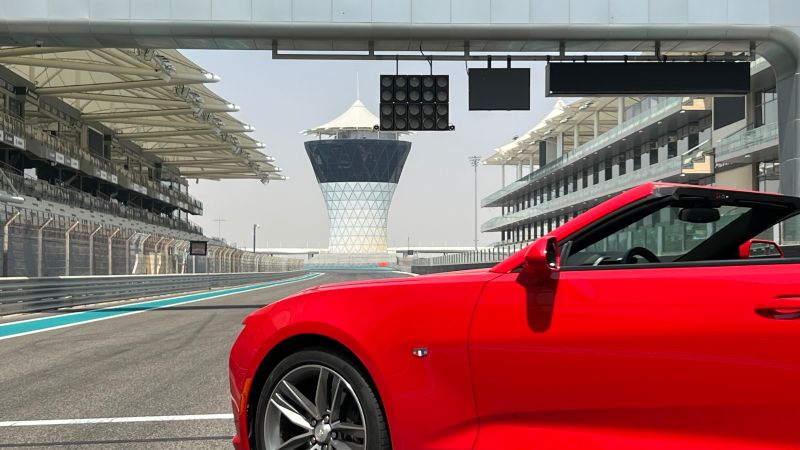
column 692, row 356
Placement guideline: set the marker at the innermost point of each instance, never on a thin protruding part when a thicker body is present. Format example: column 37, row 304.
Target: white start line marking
column 41, row 423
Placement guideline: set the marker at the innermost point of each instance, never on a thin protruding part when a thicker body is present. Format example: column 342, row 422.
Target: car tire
column 293, row 374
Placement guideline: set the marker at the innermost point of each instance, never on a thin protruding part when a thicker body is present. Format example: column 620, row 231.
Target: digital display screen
column 500, row 89
column 647, row 78
column 198, row 248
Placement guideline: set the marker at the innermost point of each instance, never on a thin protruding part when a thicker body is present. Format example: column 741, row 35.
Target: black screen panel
column 645, row 78
column 500, row 89
column 95, row 142
column 727, row 110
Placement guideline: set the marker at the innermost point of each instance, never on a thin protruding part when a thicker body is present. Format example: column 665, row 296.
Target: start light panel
column 415, row 103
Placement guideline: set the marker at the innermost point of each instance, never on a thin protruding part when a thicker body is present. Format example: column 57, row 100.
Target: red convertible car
column 638, row 324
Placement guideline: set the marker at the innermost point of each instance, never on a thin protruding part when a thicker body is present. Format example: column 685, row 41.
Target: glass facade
column 357, row 178
column 359, row 215
column 372, row 160
column 766, row 107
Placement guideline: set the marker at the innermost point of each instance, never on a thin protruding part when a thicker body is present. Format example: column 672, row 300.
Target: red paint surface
column 600, row 359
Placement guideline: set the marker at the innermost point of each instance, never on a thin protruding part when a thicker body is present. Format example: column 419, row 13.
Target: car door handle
column 788, row 310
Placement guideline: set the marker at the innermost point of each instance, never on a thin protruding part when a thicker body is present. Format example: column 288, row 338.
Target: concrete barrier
column 20, row 295
column 424, row 270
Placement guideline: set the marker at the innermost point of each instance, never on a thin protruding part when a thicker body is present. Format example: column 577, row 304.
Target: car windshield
column 669, row 233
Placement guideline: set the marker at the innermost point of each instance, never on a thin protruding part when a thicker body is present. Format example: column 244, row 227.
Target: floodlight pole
column 255, row 227
column 475, row 160
column 219, row 221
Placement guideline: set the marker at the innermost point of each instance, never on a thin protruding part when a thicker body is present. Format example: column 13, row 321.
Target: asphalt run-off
column 132, row 375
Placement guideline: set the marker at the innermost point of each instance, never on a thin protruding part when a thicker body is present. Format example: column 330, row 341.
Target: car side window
column 662, row 236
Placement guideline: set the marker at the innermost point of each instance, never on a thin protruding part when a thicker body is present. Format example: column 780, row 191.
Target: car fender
column 427, row 398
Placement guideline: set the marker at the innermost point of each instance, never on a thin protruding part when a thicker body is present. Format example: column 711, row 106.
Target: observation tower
column 357, row 168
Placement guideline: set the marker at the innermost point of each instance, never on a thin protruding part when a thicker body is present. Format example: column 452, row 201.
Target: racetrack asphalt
column 162, row 362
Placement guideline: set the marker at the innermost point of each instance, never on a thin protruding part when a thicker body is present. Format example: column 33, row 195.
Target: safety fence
column 21, row 295
column 459, row 261
column 481, row 256
column 39, row 244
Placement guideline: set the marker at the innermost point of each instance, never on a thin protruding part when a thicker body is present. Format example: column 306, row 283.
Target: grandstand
column 97, row 148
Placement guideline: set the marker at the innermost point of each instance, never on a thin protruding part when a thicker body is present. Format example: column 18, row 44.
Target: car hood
column 385, row 285
column 393, row 281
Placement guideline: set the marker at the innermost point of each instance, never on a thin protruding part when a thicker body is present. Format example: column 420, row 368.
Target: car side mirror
column 542, row 259
column 760, row 248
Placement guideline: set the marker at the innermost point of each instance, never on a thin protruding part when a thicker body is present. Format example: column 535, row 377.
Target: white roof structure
column 574, row 120
column 156, row 99
column 356, row 118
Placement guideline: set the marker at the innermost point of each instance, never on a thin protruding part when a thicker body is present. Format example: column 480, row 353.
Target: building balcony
column 660, row 111
column 17, row 133
column 12, row 181
column 746, row 142
column 692, row 165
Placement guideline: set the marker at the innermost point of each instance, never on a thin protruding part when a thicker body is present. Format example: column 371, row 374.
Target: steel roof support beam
column 126, row 99
column 243, row 129
column 124, row 85
column 163, row 123
column 218, row 171
column 163, row 112
column 91, row 67
column 228, row 175
column 204, row 162
column 24, row 51
column 199, row 141
column 207, row 157
column 182, row 150
column 146, row 136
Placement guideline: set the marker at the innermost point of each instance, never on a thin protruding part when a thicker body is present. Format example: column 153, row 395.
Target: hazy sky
column 280, row 98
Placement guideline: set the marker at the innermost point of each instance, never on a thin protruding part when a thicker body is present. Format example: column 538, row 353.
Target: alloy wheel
column 314, row 407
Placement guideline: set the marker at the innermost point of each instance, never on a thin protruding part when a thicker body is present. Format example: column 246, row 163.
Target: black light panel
column 646, row 78
column 499, row 89
column 415, row 102
column 198, row 248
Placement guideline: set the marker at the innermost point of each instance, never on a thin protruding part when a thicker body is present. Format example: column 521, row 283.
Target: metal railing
column 20, row 295
column 19, row 128
column 582, row 198
column 746, row 139
column 42, row 190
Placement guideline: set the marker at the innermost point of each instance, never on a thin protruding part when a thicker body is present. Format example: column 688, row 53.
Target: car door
column 698, row 357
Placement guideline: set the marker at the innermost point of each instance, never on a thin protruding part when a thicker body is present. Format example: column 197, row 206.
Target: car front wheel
column 315, row 399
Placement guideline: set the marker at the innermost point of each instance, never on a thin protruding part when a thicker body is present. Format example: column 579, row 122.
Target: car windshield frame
column 765, row 211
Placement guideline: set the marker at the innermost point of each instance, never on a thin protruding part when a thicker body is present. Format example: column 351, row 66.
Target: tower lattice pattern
column 359, row 212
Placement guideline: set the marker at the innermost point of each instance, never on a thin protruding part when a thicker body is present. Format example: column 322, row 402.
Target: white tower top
column 356, row 118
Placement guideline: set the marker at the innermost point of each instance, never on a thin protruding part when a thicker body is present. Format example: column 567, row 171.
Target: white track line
column 406, row 273
column 41, row 423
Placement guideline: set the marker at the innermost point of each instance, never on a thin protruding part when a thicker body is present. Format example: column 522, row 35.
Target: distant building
column 358, row 168
column 596, row 147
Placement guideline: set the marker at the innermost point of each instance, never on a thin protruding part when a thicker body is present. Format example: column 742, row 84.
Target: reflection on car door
column 697, row 357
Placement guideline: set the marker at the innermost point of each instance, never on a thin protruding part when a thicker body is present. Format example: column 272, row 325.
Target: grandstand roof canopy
column 154, row 98
column 574, row 120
